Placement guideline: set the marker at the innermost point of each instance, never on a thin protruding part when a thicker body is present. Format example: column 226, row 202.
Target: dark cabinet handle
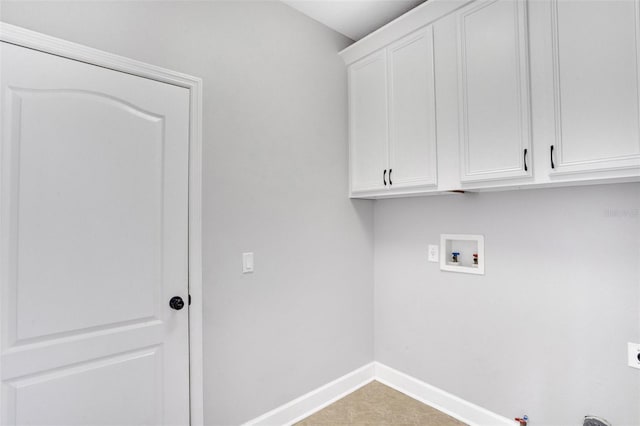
column 525, row 160
column 384, row 177
column 553, row 166
column 390, row 183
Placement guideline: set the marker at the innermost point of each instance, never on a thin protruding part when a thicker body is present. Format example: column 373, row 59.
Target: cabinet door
column 412, row 142
column 595, row 58
column 368, row 124
column 494, row 109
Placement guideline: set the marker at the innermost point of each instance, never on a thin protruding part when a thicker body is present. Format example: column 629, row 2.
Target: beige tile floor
column 378, row 405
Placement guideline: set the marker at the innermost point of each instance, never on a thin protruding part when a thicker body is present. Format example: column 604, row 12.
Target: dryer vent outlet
column 595, row 421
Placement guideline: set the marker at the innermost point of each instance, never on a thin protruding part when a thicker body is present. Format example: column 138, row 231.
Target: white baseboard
column 449, row 404
column 316, row 400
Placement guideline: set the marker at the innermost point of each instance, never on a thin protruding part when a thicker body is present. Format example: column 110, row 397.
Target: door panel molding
column 16, row 333
column 33, row 40
column 144, row 361
column 21, row 93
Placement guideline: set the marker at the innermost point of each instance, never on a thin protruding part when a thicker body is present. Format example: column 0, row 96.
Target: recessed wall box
column 462, row 253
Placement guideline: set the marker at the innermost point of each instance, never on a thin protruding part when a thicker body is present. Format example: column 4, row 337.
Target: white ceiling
column 353, row 18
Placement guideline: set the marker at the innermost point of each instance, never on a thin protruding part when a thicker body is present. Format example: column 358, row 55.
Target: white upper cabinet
column 494, row 106
column 477, row 95
column 412, row 109
column 368, row 125
column 392, row 118
column 595, row 82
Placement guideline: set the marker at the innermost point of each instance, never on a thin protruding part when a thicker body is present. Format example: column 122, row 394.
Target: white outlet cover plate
column 433, row 253
column 634, row 354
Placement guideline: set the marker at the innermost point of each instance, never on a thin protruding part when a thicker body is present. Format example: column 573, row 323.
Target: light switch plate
column 634, row 354
column 247, row 263
column 433, row 253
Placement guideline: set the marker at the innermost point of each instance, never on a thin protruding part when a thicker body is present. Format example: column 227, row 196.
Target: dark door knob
column 176, row 303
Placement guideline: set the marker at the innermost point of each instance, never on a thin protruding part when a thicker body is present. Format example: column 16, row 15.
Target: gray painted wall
column 275, row 182
column 544, row 332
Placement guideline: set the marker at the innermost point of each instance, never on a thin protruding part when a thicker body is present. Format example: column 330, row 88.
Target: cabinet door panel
column 494, row 90
column 368, row 122
column 412, row 144
column 595, row 48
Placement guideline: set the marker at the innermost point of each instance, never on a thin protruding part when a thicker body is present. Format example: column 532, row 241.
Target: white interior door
column 93, row 221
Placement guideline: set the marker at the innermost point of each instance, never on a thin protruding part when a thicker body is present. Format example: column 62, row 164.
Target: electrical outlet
column 433, row 253
column 634, row 354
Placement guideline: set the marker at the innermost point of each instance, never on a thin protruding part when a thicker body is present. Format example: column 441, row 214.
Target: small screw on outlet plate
column 634, row 354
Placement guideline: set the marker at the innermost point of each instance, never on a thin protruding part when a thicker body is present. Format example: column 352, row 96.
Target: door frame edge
column 33, row 40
